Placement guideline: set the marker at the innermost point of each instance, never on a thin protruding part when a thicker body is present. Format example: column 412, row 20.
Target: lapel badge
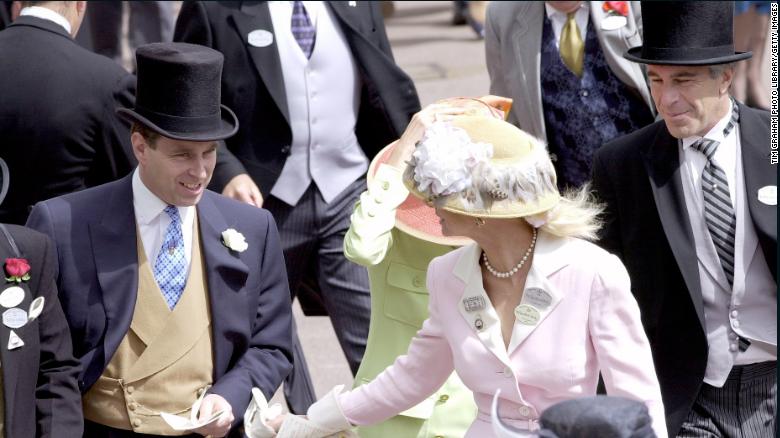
column 14, row 318
column 526, row 315
column 768, row 195
column 11, row 297
column 14, row 341
column 260, row 38
column 536, row 297
column 478, row 323
column 613, row 22
column 36, row 307
column 473, row 304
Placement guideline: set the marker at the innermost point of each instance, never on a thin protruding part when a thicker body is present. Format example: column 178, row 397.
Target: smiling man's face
column 176, row 171
column 688, row 98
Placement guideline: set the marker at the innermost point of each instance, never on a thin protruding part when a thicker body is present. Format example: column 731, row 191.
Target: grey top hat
column 598, row 416
column 687, row 33
column 179, row 91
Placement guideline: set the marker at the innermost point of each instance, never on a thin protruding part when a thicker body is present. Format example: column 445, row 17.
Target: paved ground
column 444, row 61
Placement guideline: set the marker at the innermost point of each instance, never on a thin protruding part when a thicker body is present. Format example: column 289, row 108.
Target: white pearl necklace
column 517, row 267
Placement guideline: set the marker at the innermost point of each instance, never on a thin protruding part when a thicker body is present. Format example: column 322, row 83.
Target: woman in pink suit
column 531, row 308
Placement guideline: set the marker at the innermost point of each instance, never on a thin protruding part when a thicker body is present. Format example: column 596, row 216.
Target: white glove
column 324, row 420
column 258, row 414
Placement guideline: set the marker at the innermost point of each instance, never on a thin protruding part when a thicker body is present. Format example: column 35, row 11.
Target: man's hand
column 214, row 403
column 242, row 188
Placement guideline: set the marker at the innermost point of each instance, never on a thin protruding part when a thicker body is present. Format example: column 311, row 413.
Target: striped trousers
column 744, row 407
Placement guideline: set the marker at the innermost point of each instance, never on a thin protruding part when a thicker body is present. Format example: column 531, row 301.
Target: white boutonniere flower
column 234, row 240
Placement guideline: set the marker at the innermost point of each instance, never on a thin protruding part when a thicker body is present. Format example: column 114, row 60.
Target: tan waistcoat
column 164, row 362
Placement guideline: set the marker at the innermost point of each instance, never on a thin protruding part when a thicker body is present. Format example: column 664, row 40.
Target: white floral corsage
column 234, row 240
column 445, row 159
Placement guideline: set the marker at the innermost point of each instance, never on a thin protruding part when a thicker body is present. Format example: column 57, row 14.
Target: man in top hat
column 691, row 210
column 38, row 392
column 57, row 122
column 172, row 292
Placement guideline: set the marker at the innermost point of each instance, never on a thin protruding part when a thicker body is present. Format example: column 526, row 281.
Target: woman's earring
column 479, row 221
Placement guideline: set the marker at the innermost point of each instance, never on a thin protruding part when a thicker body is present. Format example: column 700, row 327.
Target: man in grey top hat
column 691, row 210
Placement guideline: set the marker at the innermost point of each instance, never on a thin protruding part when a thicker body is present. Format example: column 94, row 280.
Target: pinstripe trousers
column 744, row 407
column 312, row 236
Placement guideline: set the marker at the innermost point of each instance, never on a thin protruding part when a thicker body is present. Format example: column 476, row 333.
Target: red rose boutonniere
column 17, row 270
column 615, row 8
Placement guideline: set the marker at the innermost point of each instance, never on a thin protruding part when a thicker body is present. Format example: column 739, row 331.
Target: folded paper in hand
column 179, row 423
column 258, row 414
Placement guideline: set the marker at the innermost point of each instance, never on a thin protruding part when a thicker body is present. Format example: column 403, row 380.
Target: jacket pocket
column 406, row 300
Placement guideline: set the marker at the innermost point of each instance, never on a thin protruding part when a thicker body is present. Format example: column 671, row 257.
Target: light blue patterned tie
column 170, row 268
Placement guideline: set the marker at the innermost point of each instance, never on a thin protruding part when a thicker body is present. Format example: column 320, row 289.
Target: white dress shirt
column 558, row 20
column 153, row 221
column 729, row 312
column 46, row 14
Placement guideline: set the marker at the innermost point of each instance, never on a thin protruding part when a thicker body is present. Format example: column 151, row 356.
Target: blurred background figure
column 148, row 22
column 5, row 14
column 57, row 122
column 471, row 12
column 563, row 60
column 751, row 24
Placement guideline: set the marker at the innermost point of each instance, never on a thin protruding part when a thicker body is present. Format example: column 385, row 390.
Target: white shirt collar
column 716, row 133
column 147, row 205
column 552, row 12
column 47, row 14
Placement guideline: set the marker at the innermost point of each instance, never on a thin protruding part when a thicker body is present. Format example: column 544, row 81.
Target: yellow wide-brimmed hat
column 483, row 167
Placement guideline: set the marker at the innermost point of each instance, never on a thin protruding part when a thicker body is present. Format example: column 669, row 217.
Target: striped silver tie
column 718, row 211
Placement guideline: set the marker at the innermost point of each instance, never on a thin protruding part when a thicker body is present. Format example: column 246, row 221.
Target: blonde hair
column 577, row 214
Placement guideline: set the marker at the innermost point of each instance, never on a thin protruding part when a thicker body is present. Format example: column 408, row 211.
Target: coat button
column 735, row 324
column 733, row 347
column 444, row 398
column 385, row 185
column 286, row 150
column 734, row 313
column 417, row 281
column 130, row 389
column 132, row 406
column 508, row 372
column 524, row 411
column 137, row 423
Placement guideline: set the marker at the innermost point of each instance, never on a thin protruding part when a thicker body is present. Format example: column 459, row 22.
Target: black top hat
column 687, row 33
column 178, row 93
column 598, row 416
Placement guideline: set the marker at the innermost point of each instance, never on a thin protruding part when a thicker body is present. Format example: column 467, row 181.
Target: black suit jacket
column 647, row 225
column 39, row 378
column 58, row 129
column 253, row 86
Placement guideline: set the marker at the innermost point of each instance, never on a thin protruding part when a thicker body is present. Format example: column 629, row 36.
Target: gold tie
column 572, row 49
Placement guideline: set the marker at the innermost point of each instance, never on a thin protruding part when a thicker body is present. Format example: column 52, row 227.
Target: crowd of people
column 603, row 221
